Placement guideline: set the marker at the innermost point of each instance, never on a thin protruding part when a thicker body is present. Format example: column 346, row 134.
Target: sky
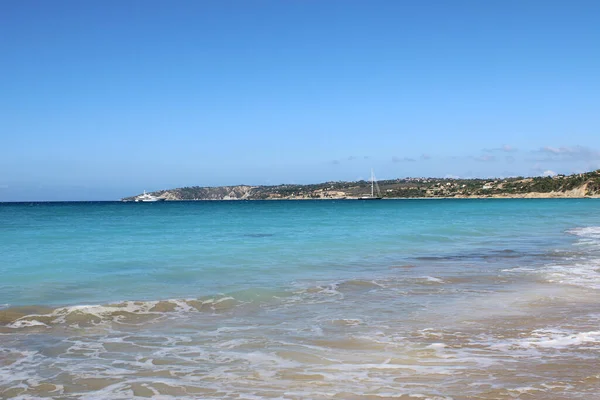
column 103, row 99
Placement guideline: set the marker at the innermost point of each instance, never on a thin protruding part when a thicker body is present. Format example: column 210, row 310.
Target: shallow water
column 439, row 299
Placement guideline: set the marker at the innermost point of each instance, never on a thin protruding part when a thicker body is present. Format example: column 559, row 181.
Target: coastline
column 584, row 185
column 555, row 195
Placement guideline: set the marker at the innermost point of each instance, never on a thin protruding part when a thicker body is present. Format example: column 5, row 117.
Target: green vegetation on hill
column 577, row 185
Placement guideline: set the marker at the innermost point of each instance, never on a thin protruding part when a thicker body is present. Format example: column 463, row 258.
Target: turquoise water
column 80, row 253
column 300, row 299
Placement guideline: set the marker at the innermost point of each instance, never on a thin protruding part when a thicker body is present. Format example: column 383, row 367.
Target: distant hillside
column 577, row 186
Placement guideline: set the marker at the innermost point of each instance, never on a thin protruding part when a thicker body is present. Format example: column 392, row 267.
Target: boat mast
column 372, row 181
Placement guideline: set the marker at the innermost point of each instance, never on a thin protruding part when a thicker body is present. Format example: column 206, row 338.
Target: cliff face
column 572, row 186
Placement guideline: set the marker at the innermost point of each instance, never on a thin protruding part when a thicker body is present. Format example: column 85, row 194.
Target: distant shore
column 515, row 196
column 584, row 185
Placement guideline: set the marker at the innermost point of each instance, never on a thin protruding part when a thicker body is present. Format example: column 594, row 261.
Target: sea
column 325, row 299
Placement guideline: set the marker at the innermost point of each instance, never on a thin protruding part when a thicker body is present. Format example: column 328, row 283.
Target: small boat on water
column 147, row 198
column 374, row 188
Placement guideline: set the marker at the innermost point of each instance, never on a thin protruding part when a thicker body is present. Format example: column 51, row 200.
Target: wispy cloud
column 539, row 170
column 402, row 159
column 505, row 148
column 485, row 158
column 346, row 159
column 556, row 150
column 425, row 157
column 567, row 153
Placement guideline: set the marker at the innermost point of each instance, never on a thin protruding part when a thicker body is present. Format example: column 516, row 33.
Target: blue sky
column 103, row 99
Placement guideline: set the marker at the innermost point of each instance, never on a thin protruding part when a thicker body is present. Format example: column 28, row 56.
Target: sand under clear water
column 442, row 299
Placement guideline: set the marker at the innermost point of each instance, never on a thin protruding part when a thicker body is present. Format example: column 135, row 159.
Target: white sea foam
column 581, row 269
column 557, row 339
column 18, row 324
column 588, row 238
column 437, row 346
column 125, row 312
column 432, row 279
column 584, row 274
column 546, row 339
column 588, row 232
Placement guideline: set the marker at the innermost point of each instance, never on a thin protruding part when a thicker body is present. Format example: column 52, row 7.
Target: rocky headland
column 561, row 186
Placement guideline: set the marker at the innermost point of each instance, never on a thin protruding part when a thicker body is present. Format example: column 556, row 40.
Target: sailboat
column 374, row 186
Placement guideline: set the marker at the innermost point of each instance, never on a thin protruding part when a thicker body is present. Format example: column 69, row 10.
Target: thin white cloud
column 425, row 156
column 537, row 168
column 402, row 159
column 567, row 153
column 345, row 159
column 553, row 150
column 485, row 158
column 540, row 170
column 504, row 148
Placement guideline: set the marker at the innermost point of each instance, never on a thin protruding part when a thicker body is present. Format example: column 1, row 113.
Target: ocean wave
column 133, row 312
column 553, row 339
column 579, row 268
column 482, row 255
column 580, row 273
column 127, row 312
column 140, row 312
column 306, row 351
column 588, row 232
column 583, row 274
